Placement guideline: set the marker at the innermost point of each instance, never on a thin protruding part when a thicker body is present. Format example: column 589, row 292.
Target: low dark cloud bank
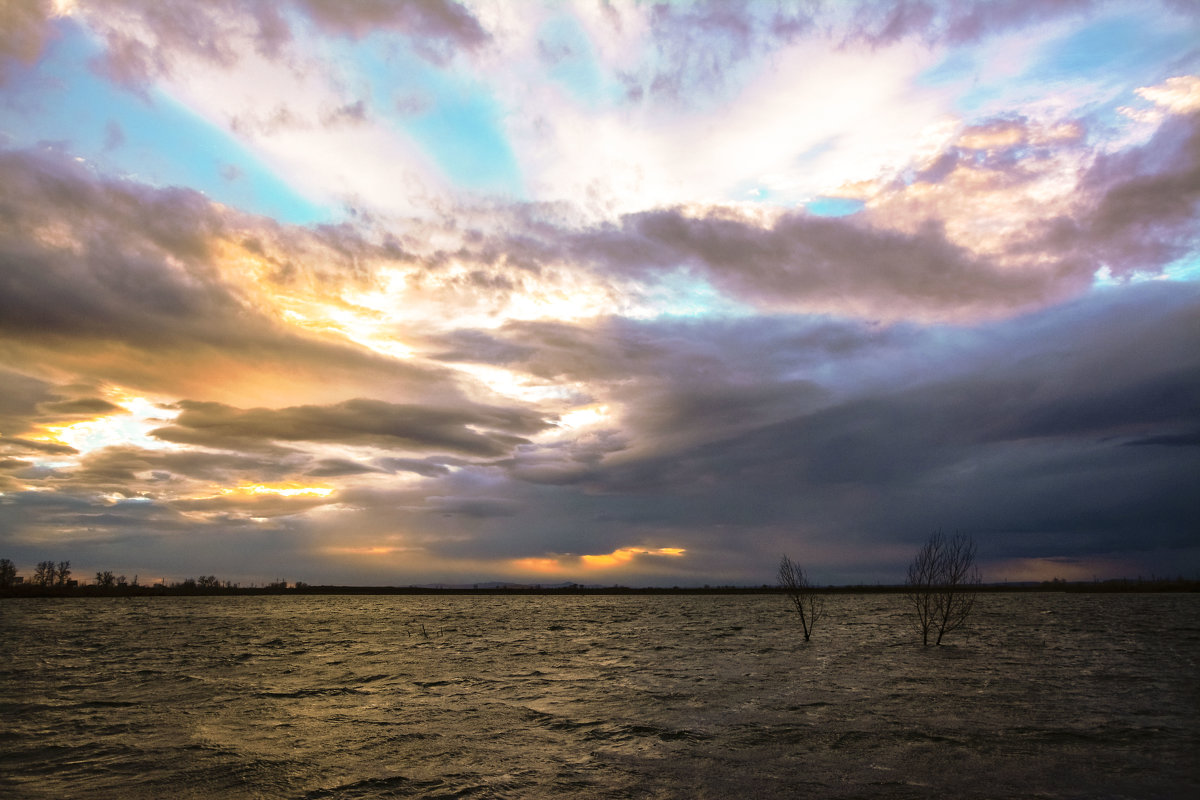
column 1022, row 432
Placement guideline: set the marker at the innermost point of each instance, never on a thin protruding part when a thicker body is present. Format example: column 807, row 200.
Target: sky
column 605, row 292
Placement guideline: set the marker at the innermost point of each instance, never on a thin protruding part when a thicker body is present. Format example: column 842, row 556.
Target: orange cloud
column 622, row 556
column 288, row 490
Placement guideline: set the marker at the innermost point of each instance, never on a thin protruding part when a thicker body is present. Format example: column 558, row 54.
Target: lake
column 677, row 696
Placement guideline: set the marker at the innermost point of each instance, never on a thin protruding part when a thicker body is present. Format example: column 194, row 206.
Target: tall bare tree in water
column 809, row 604
column 942, row 584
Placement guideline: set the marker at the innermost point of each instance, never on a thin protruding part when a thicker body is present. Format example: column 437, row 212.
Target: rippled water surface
column 1056, row 695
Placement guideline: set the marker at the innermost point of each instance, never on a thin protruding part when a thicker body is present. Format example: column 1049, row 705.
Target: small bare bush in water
column 809, row 604
column 942, row 584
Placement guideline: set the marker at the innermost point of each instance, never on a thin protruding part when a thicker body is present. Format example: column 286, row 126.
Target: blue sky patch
column 455, row 120
column 152, row 139
column 833, row 206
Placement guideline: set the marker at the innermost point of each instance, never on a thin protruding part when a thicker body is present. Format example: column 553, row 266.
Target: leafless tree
column 45, row 573
column 942, row 584
column 809, row 604
column 64, row 572
column 8, row 573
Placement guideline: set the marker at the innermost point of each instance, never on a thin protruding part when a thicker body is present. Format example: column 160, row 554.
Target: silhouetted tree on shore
column 808, row 603
column 44, row 573
column 8, row 573
column 942, row 584
column 64, row 573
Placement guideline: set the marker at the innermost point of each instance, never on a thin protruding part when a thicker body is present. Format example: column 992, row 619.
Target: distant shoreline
column 1119, row 586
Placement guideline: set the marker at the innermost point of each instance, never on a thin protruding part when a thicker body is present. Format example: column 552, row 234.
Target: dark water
column 669, row 697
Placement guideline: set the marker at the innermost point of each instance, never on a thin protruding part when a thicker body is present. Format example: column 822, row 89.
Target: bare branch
column 942, row 584
column 809, row 604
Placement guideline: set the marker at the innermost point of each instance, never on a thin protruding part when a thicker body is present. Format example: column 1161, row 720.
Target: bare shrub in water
column 809, row 604
column 942, row 584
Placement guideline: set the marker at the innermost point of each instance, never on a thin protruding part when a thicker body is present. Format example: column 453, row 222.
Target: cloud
column 694, row 47
column 35, row 446
column 666, row 349
column 84, row 407
column 162, row 289
column 145, row 41
column 882, row 23
column 809, row 263
column 134, row 471
column 470, row 430
column 339, row 467
column 20, row 400
column 1017, row 431
column 481, row 507
column 1147, row 212
column 1022, row 413
column 425, row 467
column 628, row 560
column 425, row 20
column 23, row 31
column 1178, row 95
column 1011, row 214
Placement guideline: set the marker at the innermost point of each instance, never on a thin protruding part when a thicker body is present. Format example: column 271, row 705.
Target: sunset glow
column 462, row 292
column 281, row 491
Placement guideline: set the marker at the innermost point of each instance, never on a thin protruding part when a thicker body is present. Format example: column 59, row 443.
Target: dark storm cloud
column 145, row 535
column 425, row 467
column 1018, row 432
column 470, row 430
column 110, row 273
column 681, row 382
column 568, row 462
column 84, row 516
column 127, row 469
column 121, row 281
column 803, row 259
column 1191, row 439
column 473, row 506
column 745, row 350
column 339, row 467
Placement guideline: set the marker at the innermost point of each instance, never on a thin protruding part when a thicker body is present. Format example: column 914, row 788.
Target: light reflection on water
column 661, row 696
